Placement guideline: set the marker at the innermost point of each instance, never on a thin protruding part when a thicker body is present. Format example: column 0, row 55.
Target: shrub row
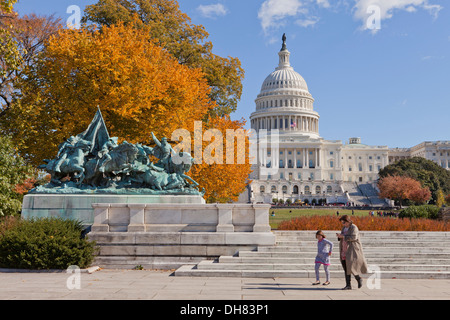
column 425, row 211
column 44, row 244
column 364, row 224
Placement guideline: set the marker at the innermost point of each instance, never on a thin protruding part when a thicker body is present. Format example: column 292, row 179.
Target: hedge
column 426, row 211
column 50, row 243
column 364, row 224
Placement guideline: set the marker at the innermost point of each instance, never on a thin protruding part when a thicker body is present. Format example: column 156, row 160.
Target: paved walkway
column 154, row 285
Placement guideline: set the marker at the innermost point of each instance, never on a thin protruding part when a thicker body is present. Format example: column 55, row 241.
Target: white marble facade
column 309, row 167
column 437, row 151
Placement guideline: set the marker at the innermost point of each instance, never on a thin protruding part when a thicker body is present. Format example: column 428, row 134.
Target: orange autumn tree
column 225, row 164
column 138, row 85
column 174, row 30
column 401, row 188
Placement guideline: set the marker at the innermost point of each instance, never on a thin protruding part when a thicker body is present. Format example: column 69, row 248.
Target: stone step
column 193, row 271
column 311, row 260
column 406, row 255
column 333, row 238
column 281, row 254
column 365, row 244
column 209, row 265
column 146, row 262
column 365, row 249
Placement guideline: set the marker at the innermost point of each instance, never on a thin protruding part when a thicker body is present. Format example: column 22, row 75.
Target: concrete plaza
column 160, row 285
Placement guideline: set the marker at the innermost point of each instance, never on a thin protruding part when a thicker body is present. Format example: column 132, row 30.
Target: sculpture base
column 166, row 236
column 70, row 188
column 79, row 206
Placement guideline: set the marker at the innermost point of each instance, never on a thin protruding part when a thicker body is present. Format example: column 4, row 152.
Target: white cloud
column 272, row 13
column 212, row 10
column 323, row 3
column 432, row 58
column 433, row 9
column 307, row 22
column 388, row 7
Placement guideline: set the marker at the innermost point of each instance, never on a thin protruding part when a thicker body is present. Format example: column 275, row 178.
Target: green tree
column 13, row 171
column 173, row 30
column 427, row 172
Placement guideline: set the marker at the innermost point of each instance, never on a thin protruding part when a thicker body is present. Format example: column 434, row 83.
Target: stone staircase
column 355, row 194
column 408, row 255
column 371, row 194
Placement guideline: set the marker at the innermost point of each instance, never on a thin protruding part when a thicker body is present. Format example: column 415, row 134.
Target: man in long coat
column 351, row 252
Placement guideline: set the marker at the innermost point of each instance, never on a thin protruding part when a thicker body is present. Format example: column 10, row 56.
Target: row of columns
column 304, row 157
column 290, row 190
column 287, row 123
column 297, row 103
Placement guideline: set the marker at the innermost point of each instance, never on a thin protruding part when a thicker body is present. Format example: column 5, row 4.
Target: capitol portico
column 306, row 166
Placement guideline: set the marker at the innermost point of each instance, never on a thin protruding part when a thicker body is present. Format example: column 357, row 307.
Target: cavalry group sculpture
column 93, row 162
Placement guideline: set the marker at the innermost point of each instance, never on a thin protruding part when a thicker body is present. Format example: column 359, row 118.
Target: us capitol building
column 309, row 167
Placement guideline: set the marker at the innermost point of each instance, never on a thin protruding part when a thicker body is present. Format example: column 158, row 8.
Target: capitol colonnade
column 294, row 157
column 286, row 123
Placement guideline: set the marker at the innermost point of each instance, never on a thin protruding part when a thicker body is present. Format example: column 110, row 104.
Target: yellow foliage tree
column 7, row 5
column 138, row 85
column 225, row 168
column 172, row 29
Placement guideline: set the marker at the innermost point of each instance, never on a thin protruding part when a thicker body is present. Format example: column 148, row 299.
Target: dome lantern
column 284, row 56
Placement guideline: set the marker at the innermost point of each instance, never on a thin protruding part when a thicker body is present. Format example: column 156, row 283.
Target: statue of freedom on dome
column 284, row 42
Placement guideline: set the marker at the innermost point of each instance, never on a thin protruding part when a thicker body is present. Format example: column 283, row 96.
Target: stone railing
column 164, row 217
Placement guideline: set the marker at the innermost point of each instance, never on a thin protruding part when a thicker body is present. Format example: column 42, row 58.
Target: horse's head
column 83, row 145
column 128, row 149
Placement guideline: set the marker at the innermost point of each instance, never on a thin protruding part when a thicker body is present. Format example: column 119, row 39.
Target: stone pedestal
column 136, row 218
column 79, row 206
column 161, row 232
column 261, row 218
column 176, row 217
column 101, row 213
column 225, row 218
column 166, row 236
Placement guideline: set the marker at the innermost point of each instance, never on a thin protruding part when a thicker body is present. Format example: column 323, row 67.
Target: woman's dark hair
column 345, row 218
column 320, row 233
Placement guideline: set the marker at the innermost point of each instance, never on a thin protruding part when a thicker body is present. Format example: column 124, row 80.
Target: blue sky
column 389, row 84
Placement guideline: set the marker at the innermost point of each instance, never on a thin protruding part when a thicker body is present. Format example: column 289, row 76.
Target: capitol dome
column 284, row 101
column 285, row 78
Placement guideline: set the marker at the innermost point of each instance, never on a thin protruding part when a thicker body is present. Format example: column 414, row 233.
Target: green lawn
column 284, row 214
